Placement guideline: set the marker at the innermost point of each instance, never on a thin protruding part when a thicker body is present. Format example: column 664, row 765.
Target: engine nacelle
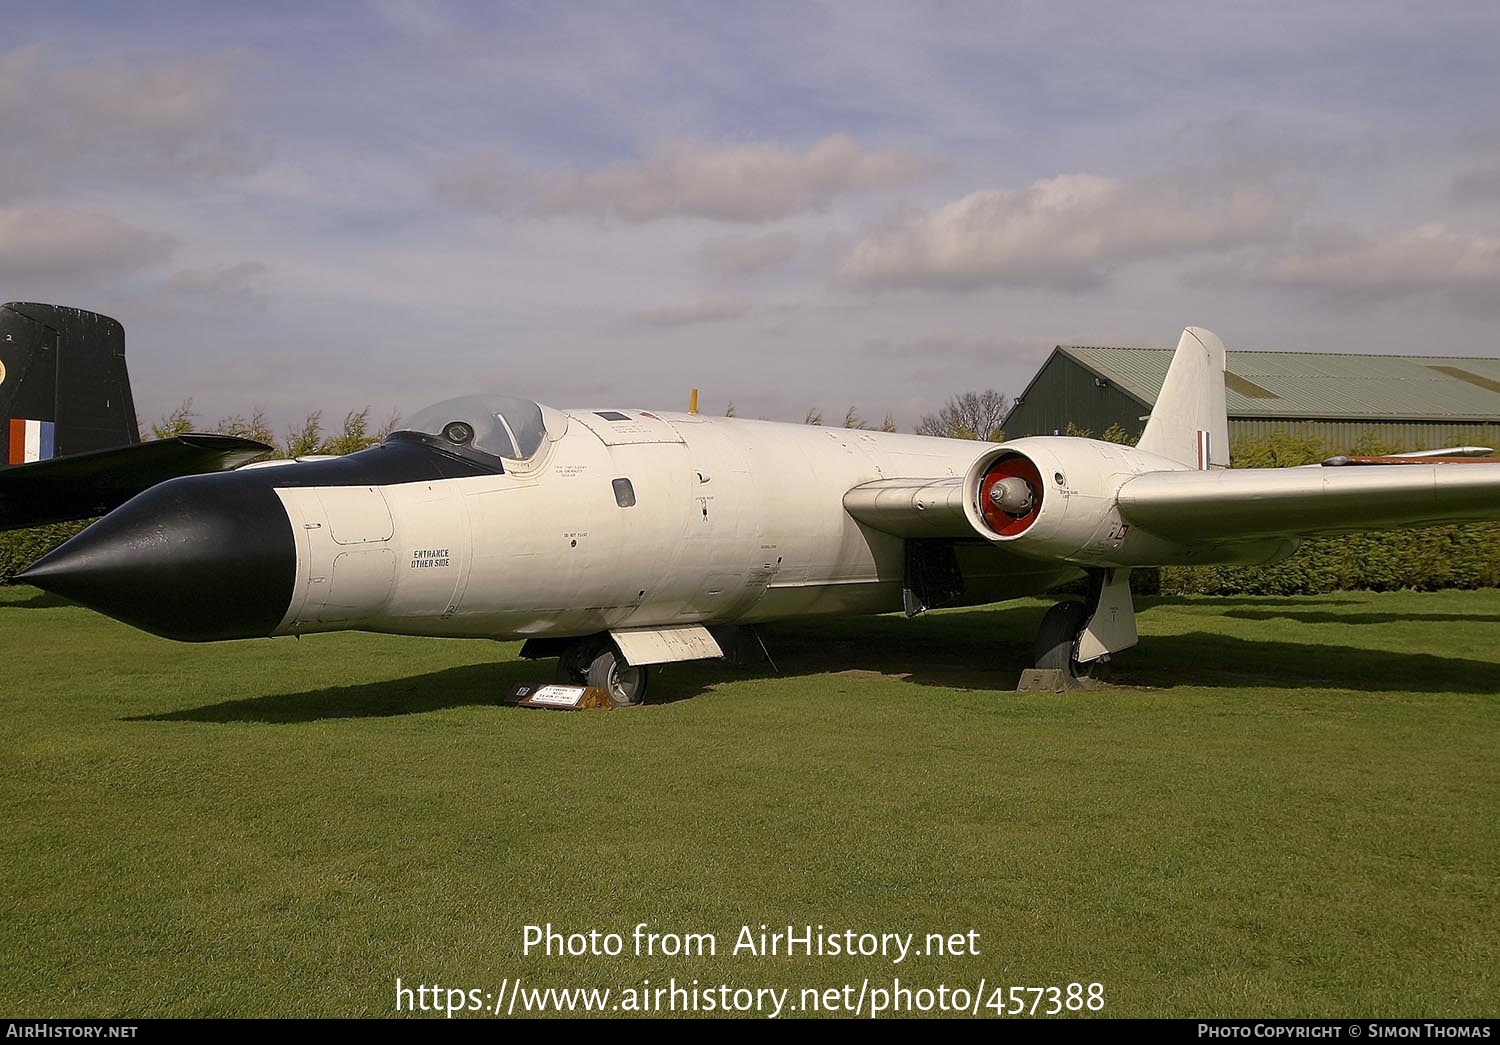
column 1054, row 497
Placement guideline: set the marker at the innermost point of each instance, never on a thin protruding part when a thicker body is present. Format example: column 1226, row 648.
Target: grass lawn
column 1284, row 807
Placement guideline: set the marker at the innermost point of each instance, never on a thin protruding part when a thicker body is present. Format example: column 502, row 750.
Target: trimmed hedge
column 1424, row 560
column 20, row 548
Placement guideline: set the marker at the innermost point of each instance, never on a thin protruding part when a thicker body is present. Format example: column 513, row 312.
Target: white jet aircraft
column 616, row 540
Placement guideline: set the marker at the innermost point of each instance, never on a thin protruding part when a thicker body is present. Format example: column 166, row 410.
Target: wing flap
column 1302, row 502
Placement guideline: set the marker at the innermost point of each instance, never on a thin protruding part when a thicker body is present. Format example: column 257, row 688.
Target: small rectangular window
column 624, row 493
column 611, row 415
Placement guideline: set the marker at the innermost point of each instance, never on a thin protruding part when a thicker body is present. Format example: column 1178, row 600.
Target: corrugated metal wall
column 1343, row 435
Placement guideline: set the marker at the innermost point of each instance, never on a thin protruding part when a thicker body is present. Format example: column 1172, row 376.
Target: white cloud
column 1478, row 186
column 742, row 255
column 712, row 310
column 1072, row 230
column 953, row 348
column 54, row 246
column 113, row 120
column 1338, row 266
column 751, row 182
column 241, row 280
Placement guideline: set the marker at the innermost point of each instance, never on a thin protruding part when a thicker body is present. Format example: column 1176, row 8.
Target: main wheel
column 625, row 684
column 1057, row 639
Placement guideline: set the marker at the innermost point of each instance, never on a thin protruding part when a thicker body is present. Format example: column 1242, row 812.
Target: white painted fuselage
column 732, row 521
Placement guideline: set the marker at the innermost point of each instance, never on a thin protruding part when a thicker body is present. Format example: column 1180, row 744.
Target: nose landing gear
column 594, row 661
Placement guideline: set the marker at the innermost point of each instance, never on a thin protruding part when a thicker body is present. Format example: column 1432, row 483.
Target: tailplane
column 1189, row 423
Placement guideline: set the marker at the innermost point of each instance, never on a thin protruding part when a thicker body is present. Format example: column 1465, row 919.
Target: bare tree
column 814, row 416
column 853, row 420
column 971, row 415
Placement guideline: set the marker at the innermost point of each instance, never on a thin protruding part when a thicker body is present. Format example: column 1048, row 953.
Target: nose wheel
column 625, row 684
column 595, row 662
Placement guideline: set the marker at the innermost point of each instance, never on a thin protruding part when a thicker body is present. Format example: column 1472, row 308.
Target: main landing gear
column 1076, row 636
column 594, row 661
column 1056, row 646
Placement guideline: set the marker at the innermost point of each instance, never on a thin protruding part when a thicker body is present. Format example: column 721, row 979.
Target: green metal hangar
column 1416, row 402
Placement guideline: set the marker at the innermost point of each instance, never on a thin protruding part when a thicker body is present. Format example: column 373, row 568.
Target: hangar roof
column 1317, row 384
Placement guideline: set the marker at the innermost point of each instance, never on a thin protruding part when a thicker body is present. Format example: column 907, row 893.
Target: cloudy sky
column 328, row 205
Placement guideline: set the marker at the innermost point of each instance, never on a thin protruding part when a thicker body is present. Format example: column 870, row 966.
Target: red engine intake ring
column 1010, row 468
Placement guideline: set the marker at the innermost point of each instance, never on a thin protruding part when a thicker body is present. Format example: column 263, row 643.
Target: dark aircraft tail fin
column 69, row 445
column 63, row 385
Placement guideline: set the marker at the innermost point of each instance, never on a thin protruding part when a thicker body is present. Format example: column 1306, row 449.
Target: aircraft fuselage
column 658, row 520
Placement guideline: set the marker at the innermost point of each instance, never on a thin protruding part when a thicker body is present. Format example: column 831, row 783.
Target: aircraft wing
column 1224, row 505
column 83, row 485
column 1301, row 502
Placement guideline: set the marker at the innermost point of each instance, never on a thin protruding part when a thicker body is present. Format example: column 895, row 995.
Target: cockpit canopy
column 501, row 426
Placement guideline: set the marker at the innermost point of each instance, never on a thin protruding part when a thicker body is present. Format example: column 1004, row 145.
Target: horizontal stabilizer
column 81, row 486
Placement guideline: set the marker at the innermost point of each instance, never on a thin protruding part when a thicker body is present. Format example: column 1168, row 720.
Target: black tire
column 573, row 665
column 1057, row 639
column 626, row 685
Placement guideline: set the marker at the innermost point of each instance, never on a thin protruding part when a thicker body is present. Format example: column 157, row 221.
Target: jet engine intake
column 1010, row 495
column 1054, row 497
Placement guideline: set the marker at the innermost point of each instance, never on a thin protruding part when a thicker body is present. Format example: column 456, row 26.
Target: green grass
column 1285, row 807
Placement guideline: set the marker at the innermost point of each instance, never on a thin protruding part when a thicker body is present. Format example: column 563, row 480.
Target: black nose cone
column 197, row 559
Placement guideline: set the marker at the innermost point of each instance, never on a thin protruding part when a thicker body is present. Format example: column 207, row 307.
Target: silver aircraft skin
column 620, row 539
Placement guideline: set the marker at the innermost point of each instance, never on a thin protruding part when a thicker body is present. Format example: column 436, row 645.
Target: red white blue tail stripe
column 1201, row 444
column 31, row 441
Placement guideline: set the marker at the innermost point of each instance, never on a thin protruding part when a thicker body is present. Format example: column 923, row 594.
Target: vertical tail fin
column 63, row 384
column 1189, row 423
